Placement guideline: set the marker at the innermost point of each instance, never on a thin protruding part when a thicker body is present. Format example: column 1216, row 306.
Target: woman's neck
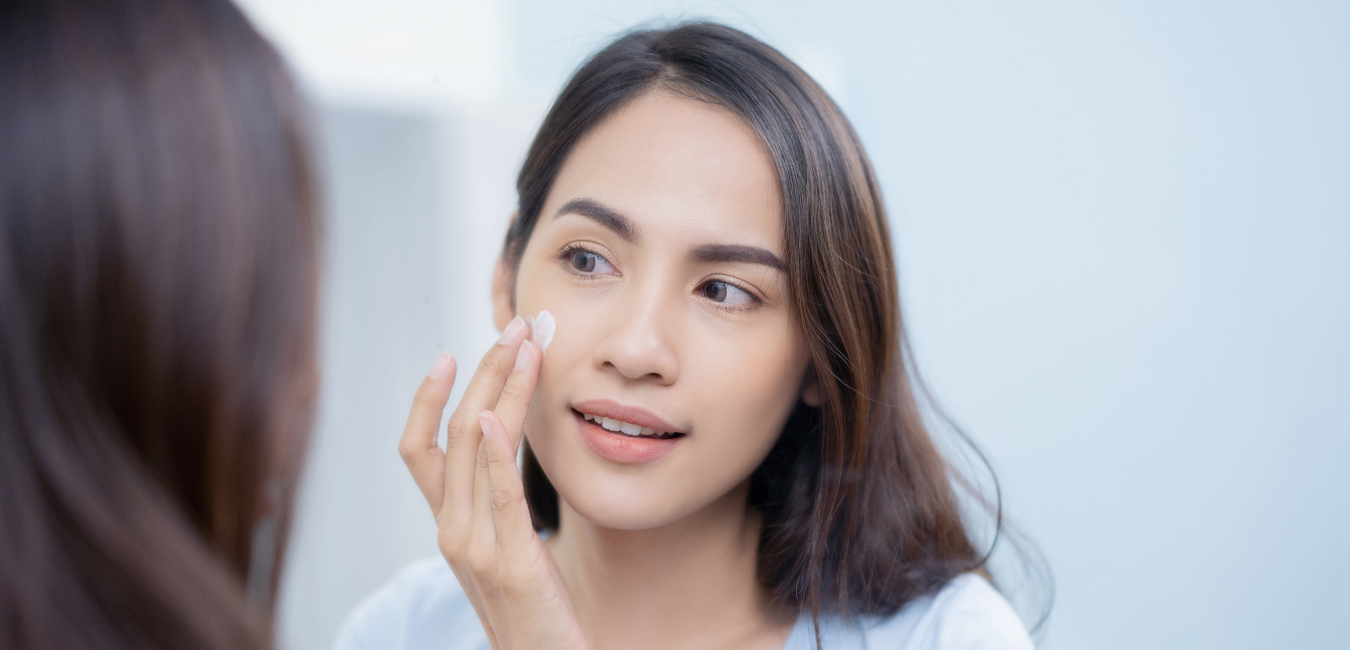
column 687, row 584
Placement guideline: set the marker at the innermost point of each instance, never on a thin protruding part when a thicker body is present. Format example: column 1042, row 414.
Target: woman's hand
column 475, row 492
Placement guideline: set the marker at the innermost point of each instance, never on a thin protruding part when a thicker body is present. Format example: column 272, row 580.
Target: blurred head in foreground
column 157, row 302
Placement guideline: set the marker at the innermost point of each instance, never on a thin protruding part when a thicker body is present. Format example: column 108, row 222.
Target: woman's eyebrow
column 625, row 228
column 736, row 253
column 605, row 216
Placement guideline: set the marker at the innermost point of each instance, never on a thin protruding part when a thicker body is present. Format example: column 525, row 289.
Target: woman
column 722, row 445
column 158, row 273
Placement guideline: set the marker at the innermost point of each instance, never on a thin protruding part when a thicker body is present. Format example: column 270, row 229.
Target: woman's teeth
column 619, row 426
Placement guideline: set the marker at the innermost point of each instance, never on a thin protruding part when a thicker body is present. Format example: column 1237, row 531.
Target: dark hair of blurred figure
column 158, row 271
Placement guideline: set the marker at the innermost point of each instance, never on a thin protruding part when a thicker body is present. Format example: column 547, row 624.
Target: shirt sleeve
column 376, row 622
column 419, row 602
column 968, row 614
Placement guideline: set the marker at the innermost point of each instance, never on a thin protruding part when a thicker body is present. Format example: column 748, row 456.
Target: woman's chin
column 623, row 508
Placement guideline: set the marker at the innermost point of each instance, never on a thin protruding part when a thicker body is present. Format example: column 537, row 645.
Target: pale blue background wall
column 1124, row 240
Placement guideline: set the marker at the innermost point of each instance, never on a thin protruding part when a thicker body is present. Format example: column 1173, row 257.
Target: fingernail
column 442, row 364
column 523, row 357
column 513, row 332
column 485, row 424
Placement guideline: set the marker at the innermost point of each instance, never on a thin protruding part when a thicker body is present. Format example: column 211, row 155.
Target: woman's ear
column 811, row 389
column 502, row 308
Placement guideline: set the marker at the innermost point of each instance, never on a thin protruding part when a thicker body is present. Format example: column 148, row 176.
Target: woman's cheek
column 759, row 370
column 750, row 388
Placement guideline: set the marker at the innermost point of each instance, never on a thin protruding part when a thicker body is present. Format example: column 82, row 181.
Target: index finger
column 514, row 402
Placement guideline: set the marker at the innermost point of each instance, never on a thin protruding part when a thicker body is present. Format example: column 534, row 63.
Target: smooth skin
column 679, row 309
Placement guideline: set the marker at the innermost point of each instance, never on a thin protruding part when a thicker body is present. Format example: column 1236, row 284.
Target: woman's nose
column 639, row 346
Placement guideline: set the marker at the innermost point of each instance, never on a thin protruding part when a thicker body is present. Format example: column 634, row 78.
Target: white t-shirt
column 423, row 608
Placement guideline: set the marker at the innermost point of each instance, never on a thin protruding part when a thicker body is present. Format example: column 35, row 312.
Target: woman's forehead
column 677, row 167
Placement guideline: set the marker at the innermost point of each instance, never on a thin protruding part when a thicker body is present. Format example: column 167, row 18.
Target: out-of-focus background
column 1124, row 239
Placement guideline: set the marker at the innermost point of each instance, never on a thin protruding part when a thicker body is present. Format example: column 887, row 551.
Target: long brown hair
column 158, row 271
column 859, row 512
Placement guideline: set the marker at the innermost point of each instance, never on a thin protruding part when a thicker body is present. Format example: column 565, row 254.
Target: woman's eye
column 726, row 293
column 585, row 261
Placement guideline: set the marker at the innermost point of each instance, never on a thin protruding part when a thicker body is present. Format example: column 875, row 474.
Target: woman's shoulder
column 967, row 614
column 422, row 606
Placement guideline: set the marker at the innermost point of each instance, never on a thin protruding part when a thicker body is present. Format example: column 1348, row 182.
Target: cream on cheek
column 542, row 328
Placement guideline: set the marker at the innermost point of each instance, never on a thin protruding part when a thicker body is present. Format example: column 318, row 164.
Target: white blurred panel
column 405, row 48
column 359, row 517
column 418, row 200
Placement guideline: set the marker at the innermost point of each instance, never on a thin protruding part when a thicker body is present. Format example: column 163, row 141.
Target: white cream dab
column 542, row 327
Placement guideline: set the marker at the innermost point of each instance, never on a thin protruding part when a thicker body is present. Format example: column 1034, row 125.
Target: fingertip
column 442, row 364
column 524, row 355
column 485, row 421
column 513, row 332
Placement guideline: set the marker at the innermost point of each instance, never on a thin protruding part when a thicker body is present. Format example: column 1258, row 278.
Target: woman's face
column 659, row 253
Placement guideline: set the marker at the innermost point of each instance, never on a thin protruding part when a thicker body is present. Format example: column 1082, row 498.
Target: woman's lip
column 631, row 414
column 622, row 448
